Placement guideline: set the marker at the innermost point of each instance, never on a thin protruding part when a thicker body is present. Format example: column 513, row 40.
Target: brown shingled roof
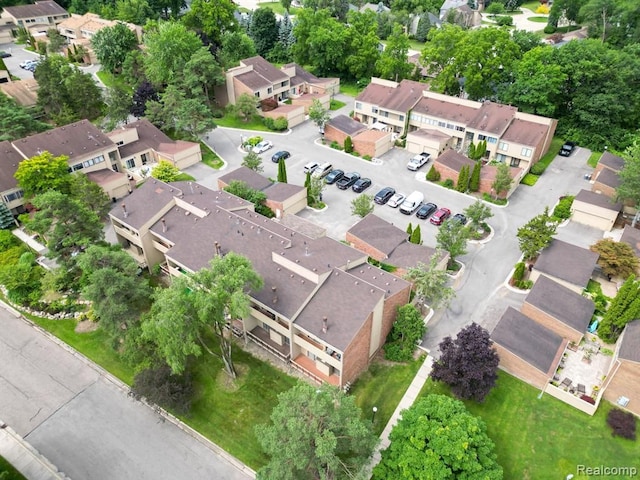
column 597, row 199
column 524, row 132
column 632, row 237
column 404, row 97
column 608, row 177
column 104, row 176
column 454, row 160
column 346, row 125
column 38, row 9
column 246, row 175
column 378, row 233
column 493, row 118
column 265, row 69
column 253, row 80
column 446, row 110
column 630, row 343
column 9, row 161
column 567, row 262
column 612, row 161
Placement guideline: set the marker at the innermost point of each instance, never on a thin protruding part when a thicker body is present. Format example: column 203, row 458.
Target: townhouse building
column 323, row 309
column 37, row 18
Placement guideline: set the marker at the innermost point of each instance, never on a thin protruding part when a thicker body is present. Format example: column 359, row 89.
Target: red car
column 440, row 216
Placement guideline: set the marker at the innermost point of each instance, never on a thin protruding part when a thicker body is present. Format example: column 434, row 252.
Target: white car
column 263, row 146
column 322, row 171
column 396, row 200
column 310, row 167
column 418, row 161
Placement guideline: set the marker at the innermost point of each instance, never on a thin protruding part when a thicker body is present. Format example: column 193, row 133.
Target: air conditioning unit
column 622, row 401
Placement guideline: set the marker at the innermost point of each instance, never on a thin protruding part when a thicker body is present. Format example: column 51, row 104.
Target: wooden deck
column 260, row 336
column 308, row 367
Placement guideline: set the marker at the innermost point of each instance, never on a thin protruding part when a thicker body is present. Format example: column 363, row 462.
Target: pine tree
column 348, row 144
column 463, row 179
column 282, row 171
column 416, row 236
column 624, row 308
column 424, row 25
column 6, row 217
column 307, row 185
column 433, row 175
column 474, row 181
column 409, row 229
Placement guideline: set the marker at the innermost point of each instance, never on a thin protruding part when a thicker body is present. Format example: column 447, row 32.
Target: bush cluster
column 563, row 208
column 504, row 20
column 433, row 175
column 279, row 124
column 623, row 424
column 538, row 168
column 448, row 183
column 529, row 180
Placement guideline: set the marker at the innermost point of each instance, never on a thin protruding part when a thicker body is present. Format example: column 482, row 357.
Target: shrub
column 474, row 181
column 623, row 424
column 348, row 144
column 433, row 175
column 253, row 141
column 367, row 157
column 563, row 208
column 497, row 201
column 336, row 145
column 160, row 386
column 518, row 272
column 538, row 168
column 529, row 179
column 524, row 284
column 504, row 21
column 268, row 122
column 448, row 183
column 280, row 124
column 549, row 29
column 543, row 9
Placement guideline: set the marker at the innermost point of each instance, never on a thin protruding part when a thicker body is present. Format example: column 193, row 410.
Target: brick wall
column 364, row 147
column 390, row 311
column 519, row 368
column 624, row 383
column 364, row 247
column 356, row 356
column 603, row 189
column 551, row 323
column 332, row 134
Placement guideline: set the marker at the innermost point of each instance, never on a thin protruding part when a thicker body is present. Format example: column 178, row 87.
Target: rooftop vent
column 325, row 325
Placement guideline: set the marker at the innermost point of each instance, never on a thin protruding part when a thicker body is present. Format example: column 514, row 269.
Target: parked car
column 460, row 218
column 440, row 216
column 361, row 185
column 310, row 167
column 282, row 154
column 426, row 210
column 333, row 176
column 347, row 180
column 396, row 200
column 29, row 64
column 323, row 170
column 412, row 203
column 567, row 149
column 263, row 146
column 4, row 54
column 418, row 161
column 384, row 195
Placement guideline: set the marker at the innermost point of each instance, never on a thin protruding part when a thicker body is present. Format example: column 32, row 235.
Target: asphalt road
column 481, row 296
column 84, row 423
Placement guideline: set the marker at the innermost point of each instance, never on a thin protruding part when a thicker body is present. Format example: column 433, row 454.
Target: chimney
column 217, row 245
column 164, row 225
column 124, row 210
column 325, row 325
column 191, row 187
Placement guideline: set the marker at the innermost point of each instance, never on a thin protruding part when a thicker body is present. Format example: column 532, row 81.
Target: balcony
column 308, row 367
column 260, row 336
column 128, row 234
column 319, row 350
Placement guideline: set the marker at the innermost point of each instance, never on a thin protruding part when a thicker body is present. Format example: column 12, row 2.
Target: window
column 131, row 163
column 459, row 129
column 503, row 146
column 401, row 118
column 442, row 124
column 144, row 158
column 120, row 143
column 384, row 114
column 501, row 158
column 374, row 109
column 269, row 90
column 526, row 152
column 481, row 137
column 285, row 83
column 10, row 197
column 450, row 126
column 358, row 106
column 515, row 162
column 257, row 94
column 114, row 167
column 492, row 140
column 76, row 167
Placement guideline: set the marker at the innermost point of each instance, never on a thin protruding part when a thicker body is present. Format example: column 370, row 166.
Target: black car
column 361, row 185
column 458, row 217
column 426, row 210
column 384, row 195
column 280, row 155
column 567, row 149
column 333, row 176
column 347, row 180
column 4, row 54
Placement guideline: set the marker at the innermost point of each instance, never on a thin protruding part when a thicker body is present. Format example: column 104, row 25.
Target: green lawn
column 232, row 121
column 594, row 158
column 532, row 5
column 538, row 19
column 545, row 438
column 554, row 148
column 185, row 177
column 382, row 386
column 352, row 89
column 336, row 104
column 209, row 157
column 529, row 179
column 278, row 8
column 111, row 80
column 7, row 472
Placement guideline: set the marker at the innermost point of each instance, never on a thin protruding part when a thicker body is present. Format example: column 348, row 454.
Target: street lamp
column 373, row 415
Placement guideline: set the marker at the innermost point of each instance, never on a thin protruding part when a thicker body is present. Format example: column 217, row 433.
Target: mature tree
column 318, row 114
column 134, row 11
column 286, row 4
column 246, row 106
column 468, row 364
column 119, row 102
column 431, row 283
column 204, row 301
column 281, row 51
column 424, row 26
column 535, row 235
column 113, row 287
column 89, row 194
column 598, row 14
column 564, row 9
column 362, row 205
column 503, row 181
column 407, row 332
column 212, row 18
column 495, row 8
column 165, row 171
column 201, row 73
column 235, row 46
column 452, row 237
column 6, row 218
column 362, row 52
column 263, row 30
column 393, row 63
column 463, row 179
column 624, row 308
column 258, row 198
column 438, row 438
column 133, row 68
column 474, row 179
column 477, row 213
column 143, row 94
column 314, row 190
column 112, row 44
column 316, row 432
column 189, row 114
column 617, row 259
column 336, row 8
column 16, row 121
column 282, row 171
column 253, row 161
column 629, row 188
column 526, row 40
column 67, row 225
column 477, row 150
column 159, row 385
column 56, row 41
column 43, row 172
column 22, row 279
column 169, row 48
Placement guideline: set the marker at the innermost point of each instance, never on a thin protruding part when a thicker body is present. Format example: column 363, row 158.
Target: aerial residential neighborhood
column 302, row 239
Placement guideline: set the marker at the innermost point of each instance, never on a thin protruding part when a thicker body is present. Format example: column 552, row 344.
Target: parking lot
column 18, row 55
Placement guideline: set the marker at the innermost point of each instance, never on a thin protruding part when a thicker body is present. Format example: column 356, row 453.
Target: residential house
column 622, row 386
column 24, row 91
column 12, row 195
column 386, row 243
column 37, row 17
column 595, row 209
column 375, row 8
column 415, row 22
column 322, row 309
column 567, row 264
column 631, row 236
column 527, row 349
column 559, row 309
column 282, row 198
column 371, row 142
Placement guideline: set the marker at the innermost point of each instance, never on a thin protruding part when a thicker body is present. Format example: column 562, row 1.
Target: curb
column 484, row 240
column 318, row 142
column 288, row 132
column 424, row 180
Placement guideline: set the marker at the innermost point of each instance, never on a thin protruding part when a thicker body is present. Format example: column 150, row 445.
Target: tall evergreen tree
column 282, row 171
column 463, row 179
column 474, row 181
column 6, row 217
column 424, row 25
column 624, row 308
column 416, row 236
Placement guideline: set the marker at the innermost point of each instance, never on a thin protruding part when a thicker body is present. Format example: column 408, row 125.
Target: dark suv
column 567, row 149
column 347, row 180
column 426, row 210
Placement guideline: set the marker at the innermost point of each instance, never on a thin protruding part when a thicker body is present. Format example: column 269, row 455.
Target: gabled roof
column 611, row 161
column 401, row 98
column 597, row 199
column 528, row 340
column 630, row 343
column 24, row 92
column 9, row 161
column 105, row 176
column 378, row 233
column 567, row 262
column 608, row 177
column 454, row 160
column 38, row 9
column 493, row 118
column 430, row 134
column 452, row 111
column 632, row 237
column 564, row 304
column 279, row 192
column 248, row 176
column 346, row 124
column 265, row 69
column 524, row 132
column 301, row 75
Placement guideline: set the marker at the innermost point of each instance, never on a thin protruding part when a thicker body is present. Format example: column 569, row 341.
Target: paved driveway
column 85, row 424
column 18, row 55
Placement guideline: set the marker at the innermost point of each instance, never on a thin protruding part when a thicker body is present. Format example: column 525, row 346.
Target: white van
column 323, row 170
column 412, row 203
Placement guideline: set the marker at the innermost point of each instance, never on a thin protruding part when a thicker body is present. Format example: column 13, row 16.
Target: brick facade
column 363, row 246
column 356, row 356
column 551, row 323
column 332, row 134
column 390, row 310
column 517, row 367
